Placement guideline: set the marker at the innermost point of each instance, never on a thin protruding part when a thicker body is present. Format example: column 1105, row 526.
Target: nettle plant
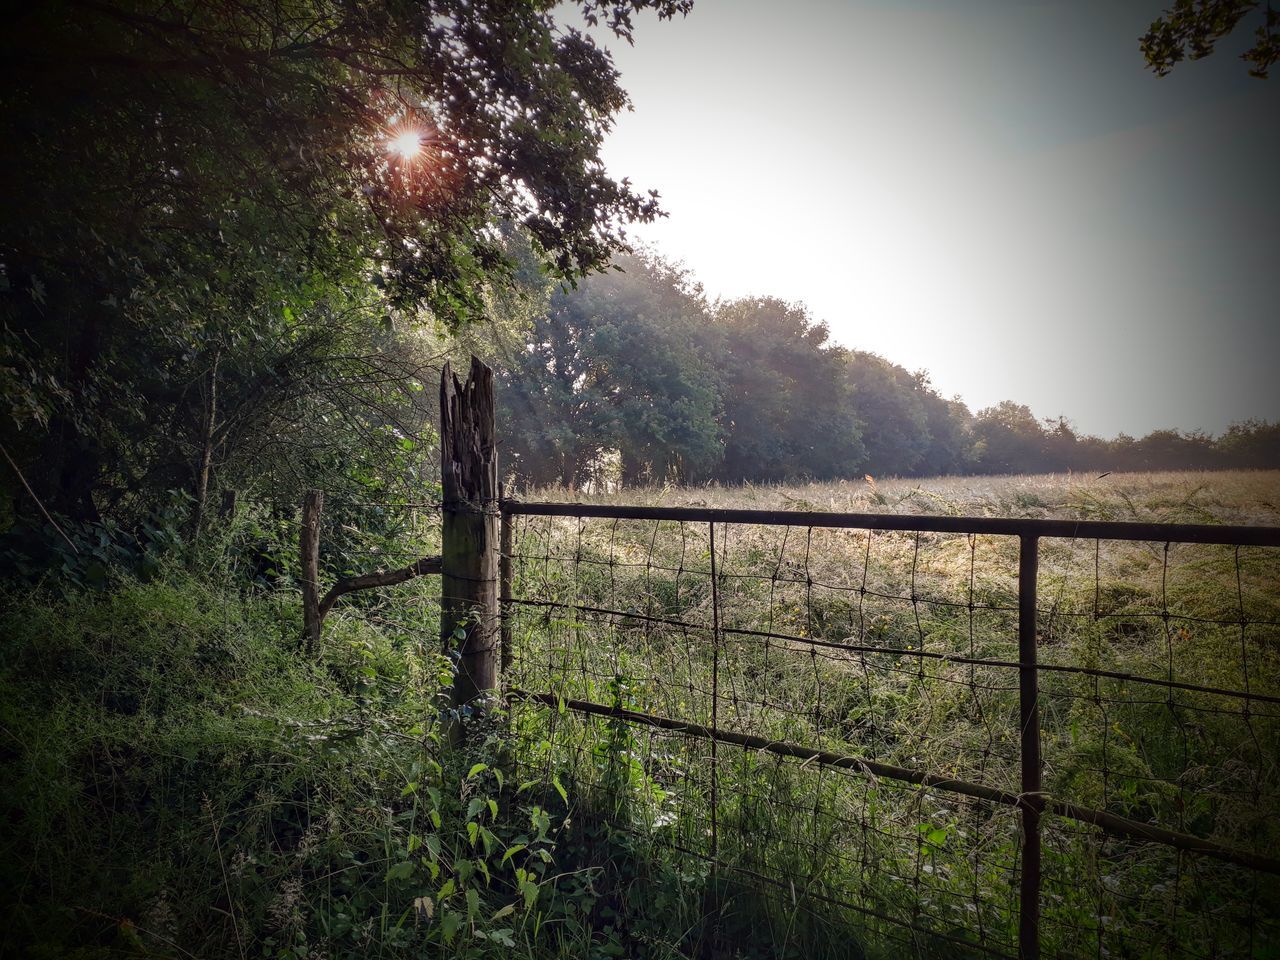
column 479, row 851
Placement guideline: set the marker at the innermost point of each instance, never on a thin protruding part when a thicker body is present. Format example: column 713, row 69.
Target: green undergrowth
column 177, row 780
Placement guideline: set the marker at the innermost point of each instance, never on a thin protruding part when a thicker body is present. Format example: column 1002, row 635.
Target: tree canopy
column 634, row 376
column 1190, row 29
column 201, row 206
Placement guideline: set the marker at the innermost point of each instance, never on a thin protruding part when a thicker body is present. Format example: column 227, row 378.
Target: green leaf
column 449, row 924
column 401, row 871
column 509, row 909
column 511, row 852
column 473, row 903
column 477, row 768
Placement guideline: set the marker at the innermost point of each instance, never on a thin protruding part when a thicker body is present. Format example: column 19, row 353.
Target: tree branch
column 367, row 581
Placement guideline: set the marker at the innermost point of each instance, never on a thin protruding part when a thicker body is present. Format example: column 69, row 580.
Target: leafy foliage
column 1191, row 28
column 632, row 375
column 201, row 220
column 175, row 775
column 622, row 363
column 784, row 396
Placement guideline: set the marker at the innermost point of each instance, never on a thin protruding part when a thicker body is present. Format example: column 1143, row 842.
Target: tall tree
column 785, row 395
column 1009, row 439
column 891, row 414
column 618, row 364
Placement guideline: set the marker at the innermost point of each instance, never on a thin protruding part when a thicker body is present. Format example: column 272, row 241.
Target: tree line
column 636, row 375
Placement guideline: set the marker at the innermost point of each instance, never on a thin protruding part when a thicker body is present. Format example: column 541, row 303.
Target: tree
column 950, row 425
column 621, row 364
column 1253, row 444
column 1190, row 29
column 891, row 414
column 787, row 414
column 183, row 180
column 1009, row 439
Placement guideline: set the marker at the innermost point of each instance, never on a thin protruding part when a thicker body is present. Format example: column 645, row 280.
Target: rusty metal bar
column 1029, row 721
column 506, row 546
column 715, row 694
column 999, row 526
column 1109, row 822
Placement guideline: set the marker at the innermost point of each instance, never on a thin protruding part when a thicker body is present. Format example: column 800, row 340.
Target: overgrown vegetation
column 177, row 781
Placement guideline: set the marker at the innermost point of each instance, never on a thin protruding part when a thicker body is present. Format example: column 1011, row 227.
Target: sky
column 998, row 192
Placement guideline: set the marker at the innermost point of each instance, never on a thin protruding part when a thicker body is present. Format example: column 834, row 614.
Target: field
column 181, row 782
column 900, row 649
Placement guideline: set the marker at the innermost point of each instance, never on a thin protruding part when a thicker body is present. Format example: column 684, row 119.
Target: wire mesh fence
column 974, row 737
column 886, row 715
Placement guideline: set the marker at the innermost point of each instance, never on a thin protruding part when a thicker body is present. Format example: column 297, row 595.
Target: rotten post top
column 468, row 460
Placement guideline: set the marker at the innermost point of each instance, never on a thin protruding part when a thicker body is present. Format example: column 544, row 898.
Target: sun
column 406, row 145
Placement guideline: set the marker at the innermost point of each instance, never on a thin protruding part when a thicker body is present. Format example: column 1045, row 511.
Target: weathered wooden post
column 470, row 548
column 309, row 542
column 228, row 509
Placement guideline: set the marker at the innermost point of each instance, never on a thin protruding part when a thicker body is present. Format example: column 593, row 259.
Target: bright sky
column 995, row 191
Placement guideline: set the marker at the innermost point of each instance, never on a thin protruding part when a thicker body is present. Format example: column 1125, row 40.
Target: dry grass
column 1237, row 496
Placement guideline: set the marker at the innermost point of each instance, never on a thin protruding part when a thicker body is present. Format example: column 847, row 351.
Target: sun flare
column 406, row 145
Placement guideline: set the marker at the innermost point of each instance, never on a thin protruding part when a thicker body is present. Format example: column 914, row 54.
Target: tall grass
column 924, row 866
column 175, row 780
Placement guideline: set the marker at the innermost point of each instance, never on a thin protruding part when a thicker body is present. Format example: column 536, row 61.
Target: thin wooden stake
column 309, row 542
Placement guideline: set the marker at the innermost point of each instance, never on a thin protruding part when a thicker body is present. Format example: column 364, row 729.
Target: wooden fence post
column 309, row 542
column 469, row 538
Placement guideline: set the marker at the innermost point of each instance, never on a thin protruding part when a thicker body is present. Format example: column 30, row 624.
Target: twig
column 53, row 523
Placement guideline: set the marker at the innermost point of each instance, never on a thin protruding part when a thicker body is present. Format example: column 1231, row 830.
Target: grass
column 179, row 782
column 926, row 867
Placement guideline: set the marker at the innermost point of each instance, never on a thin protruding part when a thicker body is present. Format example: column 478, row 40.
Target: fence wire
column 833, row 712
column 836, row 711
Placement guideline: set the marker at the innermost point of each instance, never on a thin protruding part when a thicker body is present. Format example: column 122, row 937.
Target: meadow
column 899, row 648
column 178, row 782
